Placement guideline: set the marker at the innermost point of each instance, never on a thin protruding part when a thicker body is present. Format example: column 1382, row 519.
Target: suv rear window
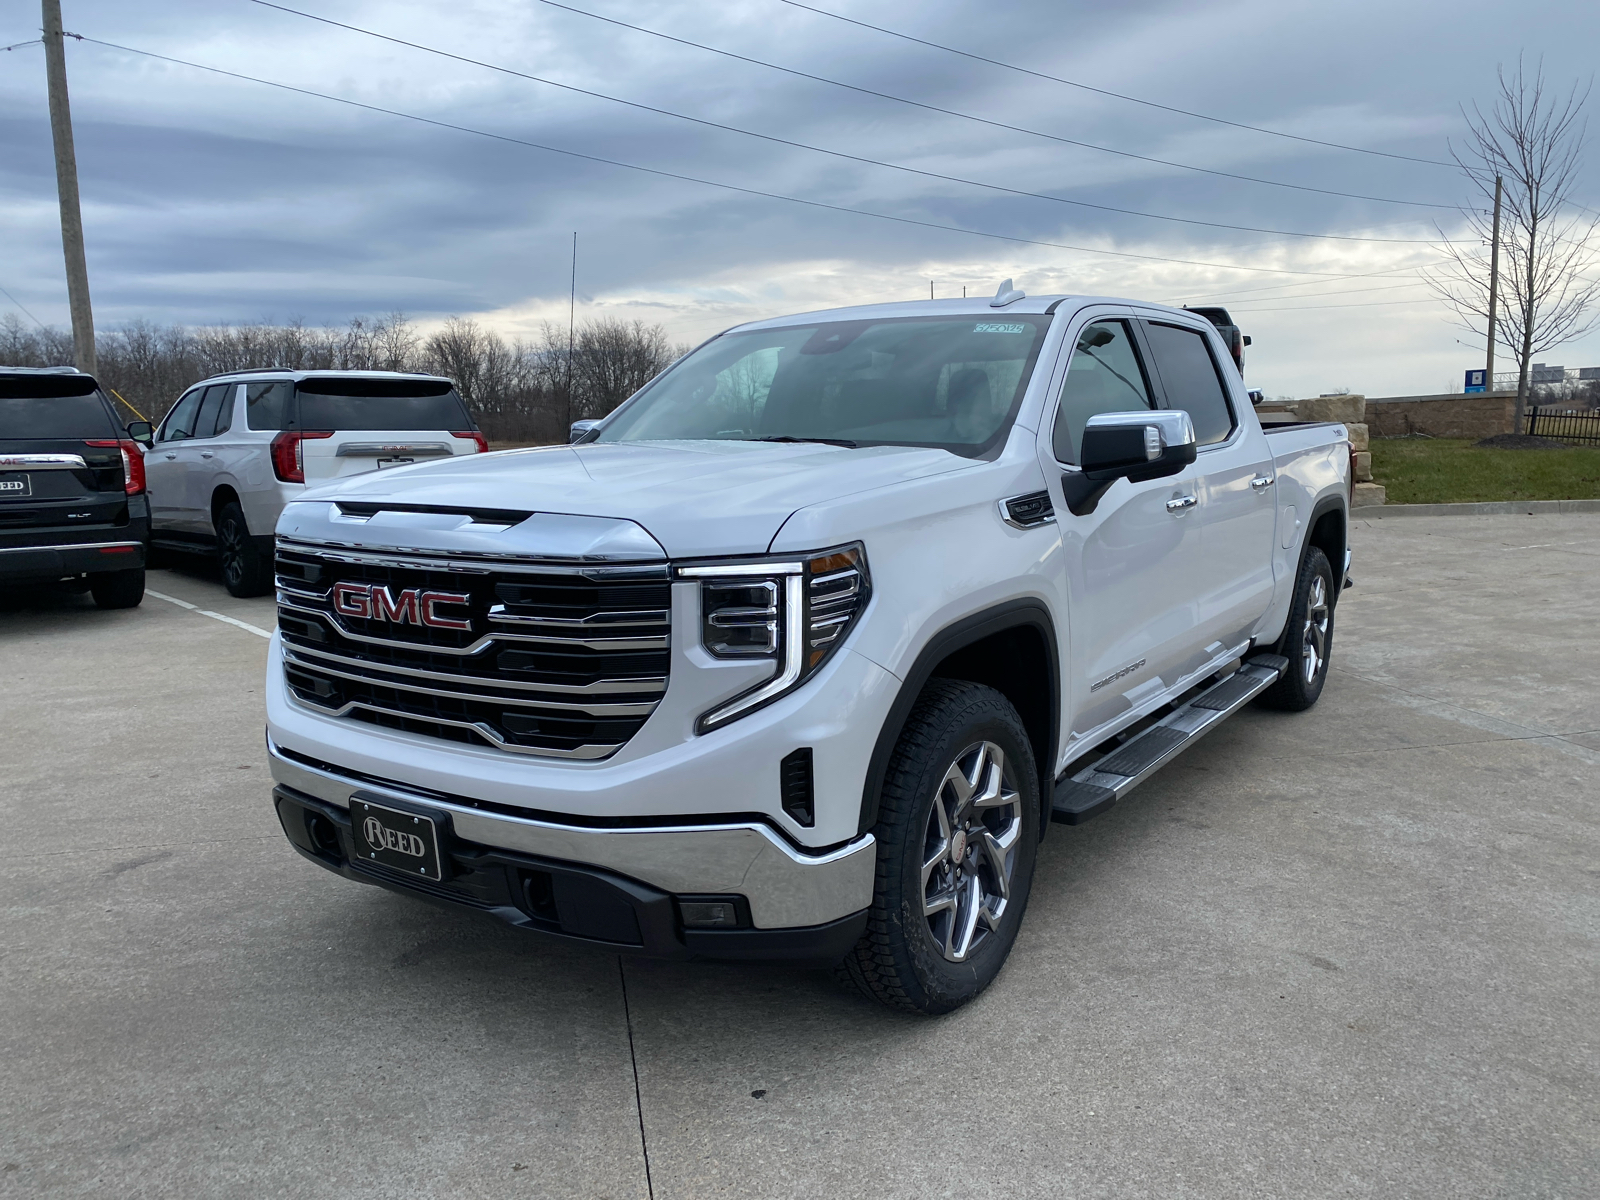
column 63, row 407
column 379, row 404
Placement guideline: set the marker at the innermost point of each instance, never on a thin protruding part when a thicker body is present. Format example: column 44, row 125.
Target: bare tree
column 1534, row 142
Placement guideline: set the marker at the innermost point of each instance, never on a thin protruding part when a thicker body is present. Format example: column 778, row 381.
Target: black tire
column 903, row 958
column 1307, row 640
column 117, row 589
column 245, row 571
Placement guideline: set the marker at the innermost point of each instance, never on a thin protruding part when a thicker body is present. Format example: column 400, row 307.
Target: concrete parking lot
column 1346, row 953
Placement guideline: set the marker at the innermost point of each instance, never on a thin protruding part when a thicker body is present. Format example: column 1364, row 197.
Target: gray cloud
column 209, row 199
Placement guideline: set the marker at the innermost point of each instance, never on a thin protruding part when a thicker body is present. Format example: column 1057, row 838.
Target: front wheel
column 1307, row 639
column 245, row 571
column 957, row 833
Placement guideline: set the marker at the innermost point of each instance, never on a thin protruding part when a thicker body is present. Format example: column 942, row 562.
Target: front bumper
column 796, row 901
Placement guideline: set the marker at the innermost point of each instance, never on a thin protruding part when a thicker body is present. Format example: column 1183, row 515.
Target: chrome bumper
column 785, row 887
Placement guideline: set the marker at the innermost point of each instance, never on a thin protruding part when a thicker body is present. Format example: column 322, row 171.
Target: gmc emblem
column 374, row 602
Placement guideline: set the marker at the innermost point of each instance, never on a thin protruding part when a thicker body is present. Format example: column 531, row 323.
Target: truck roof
column 974, row 306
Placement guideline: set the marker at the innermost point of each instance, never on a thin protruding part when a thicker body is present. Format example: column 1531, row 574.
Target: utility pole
column 55, row 69
column 1494, row 285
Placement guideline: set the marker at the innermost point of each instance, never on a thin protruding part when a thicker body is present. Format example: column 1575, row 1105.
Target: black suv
column 72, row 500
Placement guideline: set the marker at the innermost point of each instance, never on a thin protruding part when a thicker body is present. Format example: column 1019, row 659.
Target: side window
column 266, row 405
column 180, row 421
column 230, row 392
column 1104, row 375
column 205, row 425
column 1192, row 382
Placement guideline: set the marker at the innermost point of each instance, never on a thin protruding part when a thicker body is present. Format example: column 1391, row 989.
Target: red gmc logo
column 374, row 602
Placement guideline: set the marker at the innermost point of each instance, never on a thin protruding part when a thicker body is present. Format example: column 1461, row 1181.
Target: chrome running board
column 1095, row 788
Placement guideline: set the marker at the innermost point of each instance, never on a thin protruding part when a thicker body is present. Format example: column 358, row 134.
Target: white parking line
column 206, row 612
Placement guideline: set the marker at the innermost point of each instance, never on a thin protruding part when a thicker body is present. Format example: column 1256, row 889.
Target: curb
column 1491, row 508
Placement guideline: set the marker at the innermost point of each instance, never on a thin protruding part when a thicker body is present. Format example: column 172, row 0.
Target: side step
column 1093, row 790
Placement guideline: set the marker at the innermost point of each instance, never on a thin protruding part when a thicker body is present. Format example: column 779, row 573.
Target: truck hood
column 695, row 498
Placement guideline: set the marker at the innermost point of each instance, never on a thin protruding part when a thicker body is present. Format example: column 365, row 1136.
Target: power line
column 731, row 187
column 857, row 158
column 950, row 112
column 18, row 303
column 1432, row 162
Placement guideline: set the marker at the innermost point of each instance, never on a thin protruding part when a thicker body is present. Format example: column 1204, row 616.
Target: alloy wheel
column 232, row 546
column 1314, row 638
column 969, row 850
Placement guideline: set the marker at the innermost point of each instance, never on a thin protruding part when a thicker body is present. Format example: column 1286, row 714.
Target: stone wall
column 1463, row 416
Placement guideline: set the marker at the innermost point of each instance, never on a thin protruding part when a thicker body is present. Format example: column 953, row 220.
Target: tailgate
column 57, row 484
column 354, row 452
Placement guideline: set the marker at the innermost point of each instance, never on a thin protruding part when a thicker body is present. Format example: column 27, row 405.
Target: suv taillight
column 132, row 463
column 478, row 439
column 288, row 457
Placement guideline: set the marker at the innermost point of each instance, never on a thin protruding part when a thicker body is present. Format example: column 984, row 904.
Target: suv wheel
column 245, row 572
column 957, row 832
column 1307, row 639
column 117, row 589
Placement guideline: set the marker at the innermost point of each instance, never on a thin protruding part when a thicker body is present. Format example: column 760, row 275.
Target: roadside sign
column 1475, row 381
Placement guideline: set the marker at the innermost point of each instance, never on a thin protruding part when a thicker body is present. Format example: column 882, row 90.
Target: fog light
column 713, row 912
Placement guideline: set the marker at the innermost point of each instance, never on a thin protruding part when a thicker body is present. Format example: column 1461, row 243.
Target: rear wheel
column 1307, row 639
column 117, row 589
column 957, row 832
column 245, row 570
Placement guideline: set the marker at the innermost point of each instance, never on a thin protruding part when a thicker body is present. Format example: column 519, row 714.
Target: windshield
column 947, row 382
column 388, row 404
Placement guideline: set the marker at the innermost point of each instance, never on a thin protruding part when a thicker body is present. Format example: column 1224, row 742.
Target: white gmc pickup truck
column 798, row 653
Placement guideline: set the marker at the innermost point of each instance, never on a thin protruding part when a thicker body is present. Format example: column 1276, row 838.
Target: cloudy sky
column 214, row 199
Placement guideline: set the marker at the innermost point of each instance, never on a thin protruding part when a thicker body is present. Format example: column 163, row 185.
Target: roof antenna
column 1006, row 294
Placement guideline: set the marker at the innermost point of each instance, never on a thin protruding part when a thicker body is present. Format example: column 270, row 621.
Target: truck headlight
column 794, row 609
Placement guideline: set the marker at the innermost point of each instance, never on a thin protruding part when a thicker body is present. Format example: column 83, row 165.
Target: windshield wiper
column 846, row 443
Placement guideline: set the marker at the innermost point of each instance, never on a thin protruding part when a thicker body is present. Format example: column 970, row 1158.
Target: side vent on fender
column 794, row 783
column 1028, row 512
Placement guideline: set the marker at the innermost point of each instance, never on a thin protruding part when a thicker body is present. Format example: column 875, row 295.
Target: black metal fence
column 1582, row 428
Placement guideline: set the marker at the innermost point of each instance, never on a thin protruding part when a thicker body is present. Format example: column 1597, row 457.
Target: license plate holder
column 402, row 840
column 15, row 485
column 394, row 462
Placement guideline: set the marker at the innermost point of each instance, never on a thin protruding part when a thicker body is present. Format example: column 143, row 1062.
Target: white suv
column 237, row 447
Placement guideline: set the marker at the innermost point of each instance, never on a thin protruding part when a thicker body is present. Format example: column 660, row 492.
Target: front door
column 1128, row 570
column 166, row 466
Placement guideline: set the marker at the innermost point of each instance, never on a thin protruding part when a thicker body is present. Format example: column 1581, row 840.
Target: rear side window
column 266, row 405
column 1104, row 375
column 379, row 404
column 213, row 417
column 60, row 407
column 1192, row 382
column 180, row 421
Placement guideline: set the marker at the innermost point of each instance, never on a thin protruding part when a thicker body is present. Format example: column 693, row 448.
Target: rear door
column 372, row 424
column 205, row 467
column 1236, row 511
column 56, row 488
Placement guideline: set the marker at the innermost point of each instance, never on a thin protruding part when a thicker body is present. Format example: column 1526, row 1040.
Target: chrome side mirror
column 1128, row 445
column 580, row 431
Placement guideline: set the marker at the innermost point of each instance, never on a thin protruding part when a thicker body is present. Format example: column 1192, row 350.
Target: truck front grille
column 529, row 658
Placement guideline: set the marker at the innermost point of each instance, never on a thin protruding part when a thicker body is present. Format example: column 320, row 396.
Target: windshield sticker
column 999, row 327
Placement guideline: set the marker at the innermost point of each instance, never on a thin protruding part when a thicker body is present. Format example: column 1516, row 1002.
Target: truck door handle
column 1262, row 482
column 207, row 454
column 1181, row 504
column 170, row 456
